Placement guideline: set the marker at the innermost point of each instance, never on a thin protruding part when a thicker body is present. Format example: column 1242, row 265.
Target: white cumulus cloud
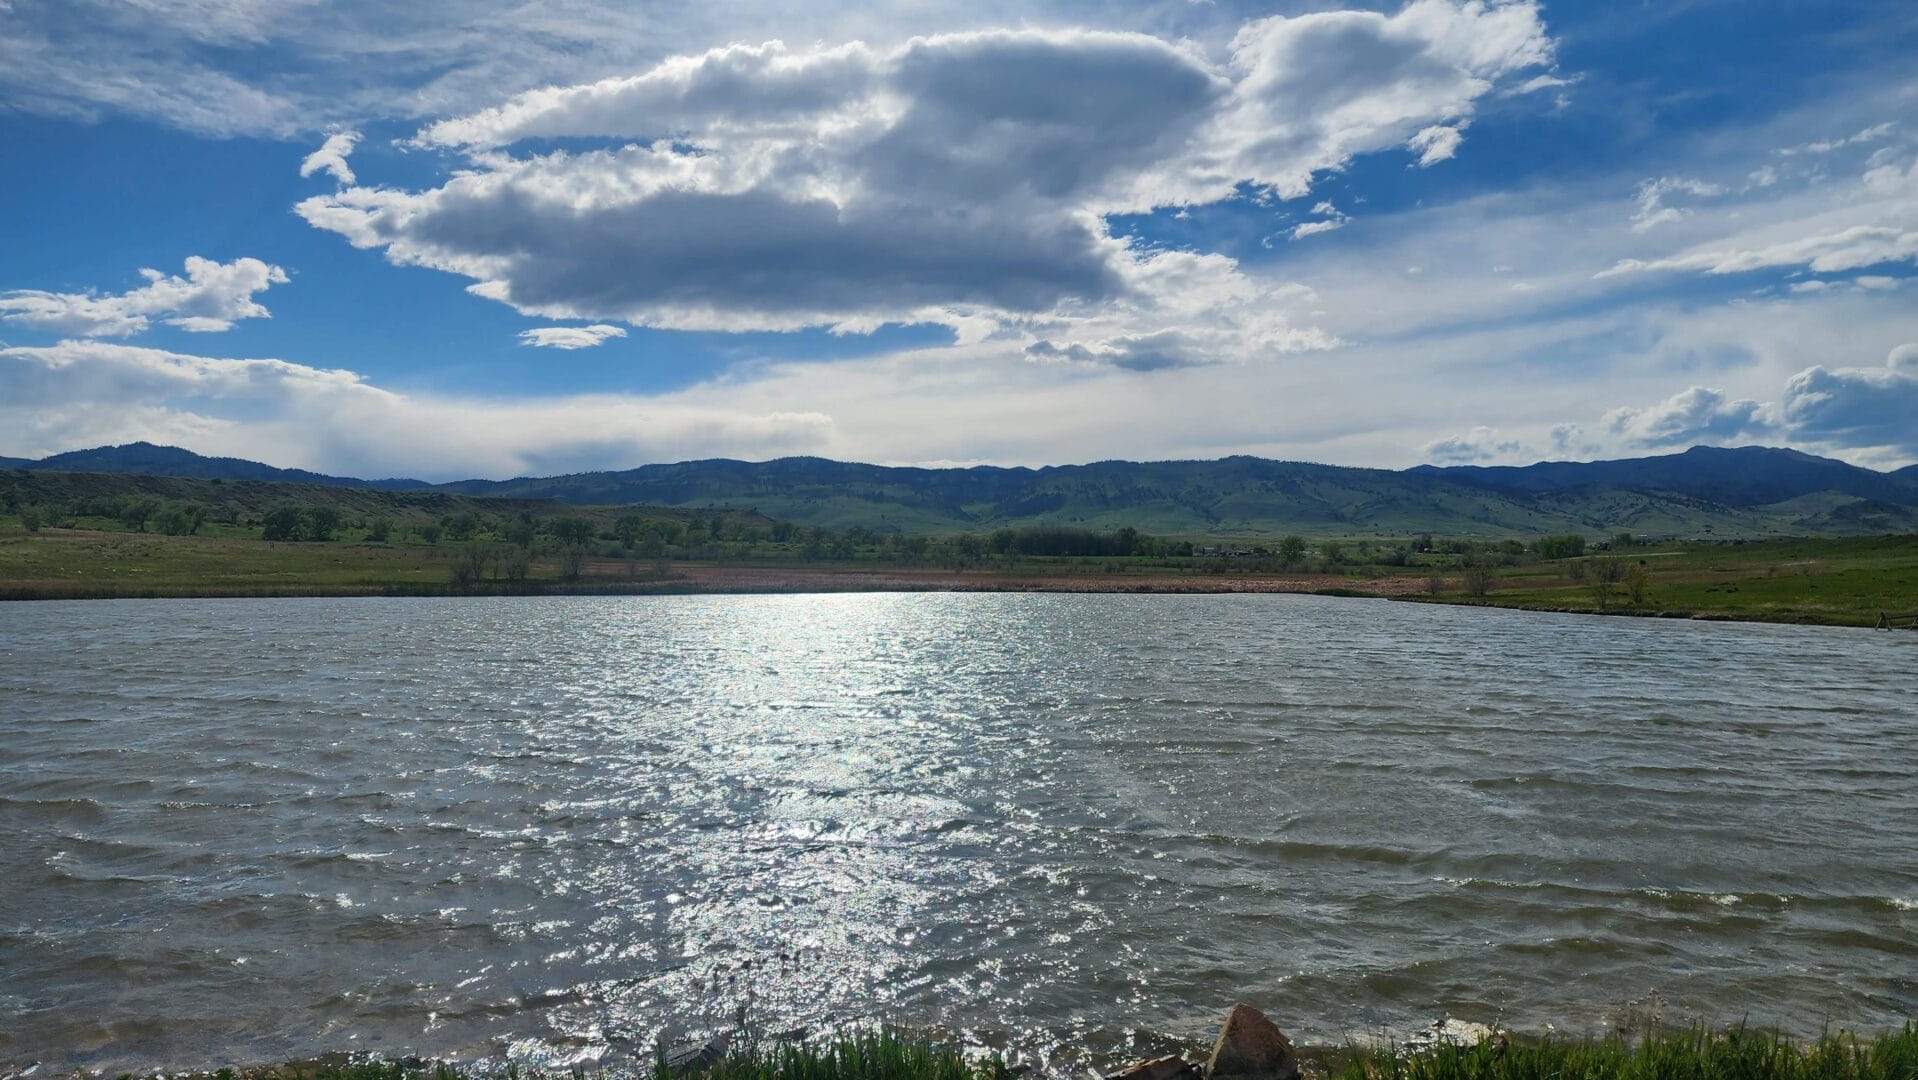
column 1858, row 407
column 331, row 157
column 1694, row 415
column 211, row 297
column 959, row 178
column 1477, row 445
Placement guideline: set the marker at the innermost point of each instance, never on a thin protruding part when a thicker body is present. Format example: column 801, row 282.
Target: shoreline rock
column 1251, row 1046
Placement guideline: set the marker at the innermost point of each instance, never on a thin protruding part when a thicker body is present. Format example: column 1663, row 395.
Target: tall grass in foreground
column 881, row 1055
column 1695, row 1054
column 870, row 1055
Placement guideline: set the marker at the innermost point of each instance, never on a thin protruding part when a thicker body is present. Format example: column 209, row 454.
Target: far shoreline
column 720, row 580
column 685, row 579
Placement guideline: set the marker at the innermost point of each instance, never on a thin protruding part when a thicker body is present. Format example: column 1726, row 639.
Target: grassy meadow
column 84, row 535
column 1844, row 582
column 1697, row 1054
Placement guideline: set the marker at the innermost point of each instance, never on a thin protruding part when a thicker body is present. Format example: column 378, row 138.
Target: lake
column 563, row 829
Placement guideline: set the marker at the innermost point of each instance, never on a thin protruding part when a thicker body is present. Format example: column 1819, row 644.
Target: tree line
column 508, row 542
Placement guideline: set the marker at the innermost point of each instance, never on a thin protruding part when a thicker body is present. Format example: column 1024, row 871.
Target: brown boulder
column 1252, row 1046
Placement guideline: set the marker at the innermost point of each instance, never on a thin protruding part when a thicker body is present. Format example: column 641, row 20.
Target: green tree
column 517, row 563
column 1477, row 577
column 180, row 519
column 322, row 522
column 1637, row 580
column 521, row 531
column 460, row 526
column 135, row 512
column 32, row 518
column 283, row 523
column 378, row 529
column 1334, row 552
column 628, row 529
column 1604, row 576
column 429, row 532
column 173, row 520
column 652, row 540
column 1291, row 550
column 470, row 563
column 1559, row 547
column 573, row 530
column 966, row 549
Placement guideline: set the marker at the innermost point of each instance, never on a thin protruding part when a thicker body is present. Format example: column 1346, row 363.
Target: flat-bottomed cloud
column 952, row 178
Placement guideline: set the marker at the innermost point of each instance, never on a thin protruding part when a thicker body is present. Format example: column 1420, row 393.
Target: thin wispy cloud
column 570, row 337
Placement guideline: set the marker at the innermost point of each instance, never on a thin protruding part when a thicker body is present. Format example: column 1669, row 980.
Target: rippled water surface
column 258, row 830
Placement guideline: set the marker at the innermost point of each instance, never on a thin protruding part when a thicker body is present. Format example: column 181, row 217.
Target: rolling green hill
column 1703, row 492
column 1239, row 496
column 1732, row 476
column 146, row 459
column 237, row 502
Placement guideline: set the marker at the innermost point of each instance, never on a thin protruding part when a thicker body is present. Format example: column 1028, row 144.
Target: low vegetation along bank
column 88, row 536
column 1850, row 582
column 1697, row 1054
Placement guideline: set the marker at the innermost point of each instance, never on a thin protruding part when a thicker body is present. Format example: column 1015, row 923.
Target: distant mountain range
column 1747, row 476
column 1747, row 491
column 146, row 459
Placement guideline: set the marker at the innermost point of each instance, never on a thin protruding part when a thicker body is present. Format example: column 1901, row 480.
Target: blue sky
column 533, row 238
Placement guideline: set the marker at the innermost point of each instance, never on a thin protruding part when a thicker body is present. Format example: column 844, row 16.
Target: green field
column 87, row 535
column 61, row 564
column 1845, row 582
